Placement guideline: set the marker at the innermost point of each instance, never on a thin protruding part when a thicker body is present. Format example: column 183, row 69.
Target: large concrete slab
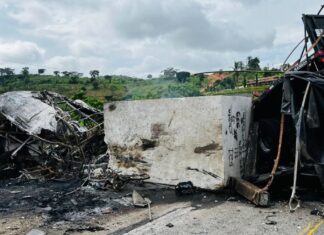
column 201, row 139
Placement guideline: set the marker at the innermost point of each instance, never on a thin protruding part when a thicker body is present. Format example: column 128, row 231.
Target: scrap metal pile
column 47, row 135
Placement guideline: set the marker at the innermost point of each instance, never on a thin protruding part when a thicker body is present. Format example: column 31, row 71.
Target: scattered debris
column 269, row 221
column 107, row 210
column 149, row 208
column 231, row 199
column 185, row 188
column 138, row 200
column 170, row 225
column 74, row 202
column 90, row 228
column 317, row 212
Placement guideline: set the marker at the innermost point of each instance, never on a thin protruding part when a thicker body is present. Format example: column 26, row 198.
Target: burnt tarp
column 312, row 119
column 266, row 125
column 286, row 97
column 47, row 134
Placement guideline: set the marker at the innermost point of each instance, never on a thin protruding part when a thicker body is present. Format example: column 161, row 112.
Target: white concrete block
column 198, row 139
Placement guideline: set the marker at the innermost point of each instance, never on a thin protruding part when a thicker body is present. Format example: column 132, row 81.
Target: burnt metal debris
column 47, row 135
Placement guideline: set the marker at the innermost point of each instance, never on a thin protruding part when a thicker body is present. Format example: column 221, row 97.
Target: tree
column 182, row 76
column 2, row 72
column 108, row 77
column 41, row 71
column 169, row 73
column 256, row 79
column 238, row 66
column 25, row 73
column 249, row 58
column 94, row 74
column 244, row 79
column 201, row 77
column 8, row 73
column 56, row 73
column 253, row 63
column 66, row 73
column 227, row 83
column 74, row 77
column 1, row 75
column 149, row 76
column 95, row 84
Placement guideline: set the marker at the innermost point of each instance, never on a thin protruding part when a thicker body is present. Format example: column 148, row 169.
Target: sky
column 141, row 37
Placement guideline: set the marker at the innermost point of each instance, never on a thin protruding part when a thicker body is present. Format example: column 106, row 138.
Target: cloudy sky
column 140, row 37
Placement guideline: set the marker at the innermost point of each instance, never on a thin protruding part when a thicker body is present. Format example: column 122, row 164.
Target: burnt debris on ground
column 53, row 201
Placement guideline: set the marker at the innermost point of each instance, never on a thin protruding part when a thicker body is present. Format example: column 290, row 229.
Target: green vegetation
column 96, row 89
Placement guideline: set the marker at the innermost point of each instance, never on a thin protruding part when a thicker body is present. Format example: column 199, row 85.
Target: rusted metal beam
column 251, row 192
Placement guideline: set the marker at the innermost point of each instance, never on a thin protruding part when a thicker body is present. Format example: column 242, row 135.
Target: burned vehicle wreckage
column 288, row 122
column 44, row 134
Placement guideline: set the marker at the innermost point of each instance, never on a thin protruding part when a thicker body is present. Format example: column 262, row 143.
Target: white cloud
column 31, row 12
column 20, row 52
column 248, row 3
column 184, row 23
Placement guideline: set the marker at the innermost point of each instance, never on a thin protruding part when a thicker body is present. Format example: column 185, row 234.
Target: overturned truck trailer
column 197, row 139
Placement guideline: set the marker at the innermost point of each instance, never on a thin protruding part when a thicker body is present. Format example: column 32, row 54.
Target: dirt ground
column 56, row 208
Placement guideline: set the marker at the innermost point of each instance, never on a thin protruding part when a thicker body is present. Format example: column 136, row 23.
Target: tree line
column 7, row 74
column 170, row 73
